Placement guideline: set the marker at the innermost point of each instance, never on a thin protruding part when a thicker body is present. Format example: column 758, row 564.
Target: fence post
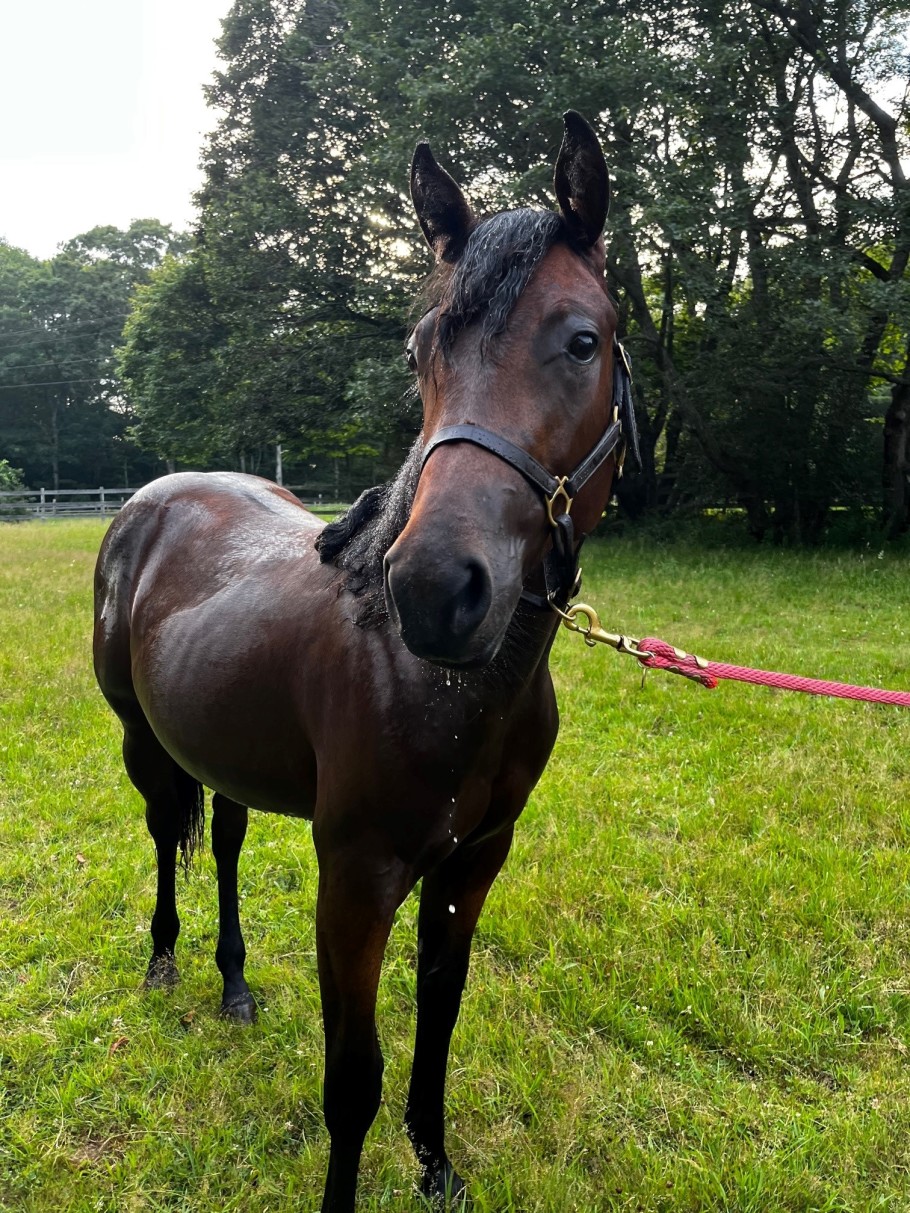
column 41, row 504
column 102, row 501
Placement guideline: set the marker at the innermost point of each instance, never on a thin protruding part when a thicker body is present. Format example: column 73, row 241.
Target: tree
column 758, row 242
column 61, row 413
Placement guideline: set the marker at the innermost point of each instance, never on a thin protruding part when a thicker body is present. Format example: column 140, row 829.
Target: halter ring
column 560, row 491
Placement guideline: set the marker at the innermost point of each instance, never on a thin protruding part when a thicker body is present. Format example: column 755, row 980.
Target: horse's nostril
column 473, row 601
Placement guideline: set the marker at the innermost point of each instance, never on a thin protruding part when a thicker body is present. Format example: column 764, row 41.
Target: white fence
column 17, row 505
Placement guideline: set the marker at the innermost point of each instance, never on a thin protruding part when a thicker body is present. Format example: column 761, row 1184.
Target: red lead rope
column 658, row 655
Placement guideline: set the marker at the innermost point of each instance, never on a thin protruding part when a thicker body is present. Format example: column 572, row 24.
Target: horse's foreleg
column 355, row 908
column 229, row 821
column 450, row 903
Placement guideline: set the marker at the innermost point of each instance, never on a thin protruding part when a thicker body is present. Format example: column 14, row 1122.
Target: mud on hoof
column 241, row 1008
column 162, row 973
column 443, row 1189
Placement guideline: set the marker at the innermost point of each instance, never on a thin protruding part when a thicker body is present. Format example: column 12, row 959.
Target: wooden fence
column 18, row 505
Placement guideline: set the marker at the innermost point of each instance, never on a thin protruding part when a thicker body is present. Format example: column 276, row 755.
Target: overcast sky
column 103, row 114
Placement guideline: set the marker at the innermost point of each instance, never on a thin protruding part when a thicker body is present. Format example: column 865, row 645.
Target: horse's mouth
column 450, row 661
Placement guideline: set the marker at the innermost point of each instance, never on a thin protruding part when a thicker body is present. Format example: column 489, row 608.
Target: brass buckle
column 560, row 491
column 593, row 633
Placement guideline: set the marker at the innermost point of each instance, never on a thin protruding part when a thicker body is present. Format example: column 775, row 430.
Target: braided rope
column 658, row 655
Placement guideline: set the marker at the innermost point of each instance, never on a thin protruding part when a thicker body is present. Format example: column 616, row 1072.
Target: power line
column 66, row 328
column 21, row 387
column 31, row 366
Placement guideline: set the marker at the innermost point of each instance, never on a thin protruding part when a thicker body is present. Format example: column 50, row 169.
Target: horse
column 308, row 671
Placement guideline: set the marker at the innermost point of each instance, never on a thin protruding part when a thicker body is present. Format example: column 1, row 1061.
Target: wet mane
column 499, row 259
column 356, row 543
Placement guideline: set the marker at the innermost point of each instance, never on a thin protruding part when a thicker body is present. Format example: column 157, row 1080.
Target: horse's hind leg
column 229, row 821
column 173, row 814
column 451, row 899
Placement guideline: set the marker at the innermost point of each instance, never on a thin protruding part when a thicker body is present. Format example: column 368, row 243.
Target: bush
column 10, row 477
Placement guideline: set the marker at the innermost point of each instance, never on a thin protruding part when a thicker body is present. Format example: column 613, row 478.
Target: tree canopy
column 758, row 245
column 63, row 418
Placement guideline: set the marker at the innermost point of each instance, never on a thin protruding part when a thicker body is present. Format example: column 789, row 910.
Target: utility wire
column 57, row 334
column 21, row 387
column 31, row 366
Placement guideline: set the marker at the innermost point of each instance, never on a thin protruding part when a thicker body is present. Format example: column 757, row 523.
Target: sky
column 104, row 114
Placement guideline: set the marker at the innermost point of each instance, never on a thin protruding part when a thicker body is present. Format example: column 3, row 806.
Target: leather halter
column 621, row 432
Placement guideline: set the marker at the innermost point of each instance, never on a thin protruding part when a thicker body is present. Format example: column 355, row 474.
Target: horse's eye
column 411, row 359
column 583, row 347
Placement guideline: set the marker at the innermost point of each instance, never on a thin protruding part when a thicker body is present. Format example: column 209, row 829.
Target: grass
column 690, row 985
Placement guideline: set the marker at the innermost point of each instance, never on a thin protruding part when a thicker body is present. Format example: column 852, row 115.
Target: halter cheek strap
column 560, row 491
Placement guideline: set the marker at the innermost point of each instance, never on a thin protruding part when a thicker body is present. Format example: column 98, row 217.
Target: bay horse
column 308, row 671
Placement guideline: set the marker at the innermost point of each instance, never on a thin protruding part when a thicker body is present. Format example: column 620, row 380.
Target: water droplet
column 455, row 840
column 451, row 909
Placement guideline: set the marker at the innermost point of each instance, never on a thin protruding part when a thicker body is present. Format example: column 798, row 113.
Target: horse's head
column 518, row 346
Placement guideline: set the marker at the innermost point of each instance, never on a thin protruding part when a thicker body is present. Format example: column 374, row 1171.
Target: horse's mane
column 356, row 543
column 501, row 255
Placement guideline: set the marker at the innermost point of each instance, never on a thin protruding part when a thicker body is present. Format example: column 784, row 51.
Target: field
column 690, row 988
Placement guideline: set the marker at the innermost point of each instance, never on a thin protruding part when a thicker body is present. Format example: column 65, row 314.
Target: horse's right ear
column 441, row 207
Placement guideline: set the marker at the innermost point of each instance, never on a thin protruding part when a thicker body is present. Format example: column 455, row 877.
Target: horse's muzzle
column 443, row 610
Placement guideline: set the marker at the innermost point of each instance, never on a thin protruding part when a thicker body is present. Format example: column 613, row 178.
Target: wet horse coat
column 317, row 680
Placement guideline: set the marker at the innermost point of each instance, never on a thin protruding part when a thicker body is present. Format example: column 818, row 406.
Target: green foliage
column 758, row 245
column 10, row 477
column 62, row 415
column 689, row 985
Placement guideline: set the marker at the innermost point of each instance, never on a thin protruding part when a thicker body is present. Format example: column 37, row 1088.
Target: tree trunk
column 895, row 480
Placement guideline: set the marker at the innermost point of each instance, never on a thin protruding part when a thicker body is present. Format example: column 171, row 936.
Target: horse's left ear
column 443, row 210
column 581, row 181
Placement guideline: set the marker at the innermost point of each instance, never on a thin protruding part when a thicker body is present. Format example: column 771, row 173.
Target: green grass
column 690, row 986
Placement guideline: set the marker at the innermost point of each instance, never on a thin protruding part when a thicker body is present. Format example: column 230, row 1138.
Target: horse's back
column 183, row 539
column 238, row 512
column 211, row 521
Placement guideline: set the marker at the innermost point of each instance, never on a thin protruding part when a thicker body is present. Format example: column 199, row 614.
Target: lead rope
column 655, row 654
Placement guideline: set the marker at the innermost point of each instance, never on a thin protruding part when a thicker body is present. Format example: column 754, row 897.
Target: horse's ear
column 581, row 181
column 441, row 207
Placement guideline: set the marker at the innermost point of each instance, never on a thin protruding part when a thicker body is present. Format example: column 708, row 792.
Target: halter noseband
column 560, row 489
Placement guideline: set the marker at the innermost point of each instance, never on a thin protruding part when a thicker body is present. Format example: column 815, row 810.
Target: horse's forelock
column 497, row 264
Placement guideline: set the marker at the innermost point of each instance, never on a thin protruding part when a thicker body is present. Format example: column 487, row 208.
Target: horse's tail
column 191, row 798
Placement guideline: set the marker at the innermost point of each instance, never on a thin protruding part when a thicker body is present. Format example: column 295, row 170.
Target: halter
column 561, row 568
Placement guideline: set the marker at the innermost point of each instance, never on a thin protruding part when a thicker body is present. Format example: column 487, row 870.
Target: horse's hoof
column 162, row 973
column 240, row 1009
column 443, row 1189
